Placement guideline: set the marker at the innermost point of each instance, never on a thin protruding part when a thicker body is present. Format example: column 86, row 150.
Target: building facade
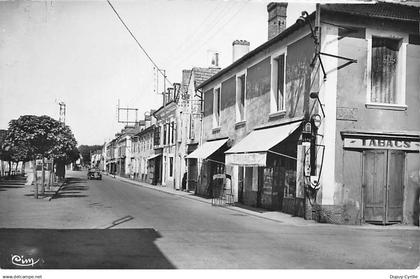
column 321, row 120
column 190, row 123
column 165, row 142
column 371, row 131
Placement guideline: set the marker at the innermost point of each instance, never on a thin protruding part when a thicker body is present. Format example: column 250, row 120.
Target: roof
column 146, row 130
column 386, row 10
column 379, row 10
column 203, row 74
column 162, row 107
column 250, row 54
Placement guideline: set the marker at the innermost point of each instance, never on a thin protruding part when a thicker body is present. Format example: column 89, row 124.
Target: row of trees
column 31, row 137
column 86, row 152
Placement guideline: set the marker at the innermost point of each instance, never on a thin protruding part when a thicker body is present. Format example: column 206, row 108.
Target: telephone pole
column 62, row 116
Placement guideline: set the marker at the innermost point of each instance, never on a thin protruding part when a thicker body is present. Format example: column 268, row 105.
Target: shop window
column 240, row 97
column 254, row 179
column 290, row 183
column 278, row 83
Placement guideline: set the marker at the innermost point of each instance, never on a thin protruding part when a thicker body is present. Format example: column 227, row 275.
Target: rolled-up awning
column 154, row 156
column 207, row 149
column 252, row 150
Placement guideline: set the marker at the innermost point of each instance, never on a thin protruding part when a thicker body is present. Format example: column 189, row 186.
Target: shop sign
column 247, row 159
column 380, row 143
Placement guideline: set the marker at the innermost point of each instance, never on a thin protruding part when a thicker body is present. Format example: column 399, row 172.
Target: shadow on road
column 12, row 182
column 73, row 189
column 81, row 249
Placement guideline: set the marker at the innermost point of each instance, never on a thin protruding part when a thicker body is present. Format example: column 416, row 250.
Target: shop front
column 210, row 160
column 388, row 164
column 154, row 165
column 267, row 162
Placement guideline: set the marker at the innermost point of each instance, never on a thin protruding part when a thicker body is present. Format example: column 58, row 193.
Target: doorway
column 383, row 184
column 241, row 184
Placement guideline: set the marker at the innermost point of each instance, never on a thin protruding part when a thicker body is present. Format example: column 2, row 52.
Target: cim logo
column 22, row 261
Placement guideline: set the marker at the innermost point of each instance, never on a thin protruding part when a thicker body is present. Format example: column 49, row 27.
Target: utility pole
column 62, row 115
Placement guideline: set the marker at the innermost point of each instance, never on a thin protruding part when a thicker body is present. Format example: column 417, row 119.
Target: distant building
column 143, row 151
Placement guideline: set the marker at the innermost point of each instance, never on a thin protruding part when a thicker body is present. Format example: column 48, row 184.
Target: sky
column 78, row 52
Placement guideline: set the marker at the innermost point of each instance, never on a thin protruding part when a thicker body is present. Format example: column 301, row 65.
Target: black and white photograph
column 262, row 138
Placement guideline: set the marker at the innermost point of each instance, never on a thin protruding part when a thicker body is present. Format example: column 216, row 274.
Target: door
column 395, row 187
column 383, row 186
column 241, row 184
column 260, row 186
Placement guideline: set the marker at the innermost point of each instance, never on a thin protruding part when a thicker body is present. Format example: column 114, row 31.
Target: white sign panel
column 380, row 143
column 246, row 159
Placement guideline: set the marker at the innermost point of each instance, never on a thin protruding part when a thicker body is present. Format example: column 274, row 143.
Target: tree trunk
column 35, row 179
column 10, row 168
column 51, row 178
column 43, row 177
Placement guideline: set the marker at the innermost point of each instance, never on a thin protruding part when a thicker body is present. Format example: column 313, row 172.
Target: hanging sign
column 381, row 143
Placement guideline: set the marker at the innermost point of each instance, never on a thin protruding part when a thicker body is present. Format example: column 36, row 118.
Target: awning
column 252, row 150
column 207, row 149
column 154, row 156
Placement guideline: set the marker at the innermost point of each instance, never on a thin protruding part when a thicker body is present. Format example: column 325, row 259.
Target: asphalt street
column 113, row 224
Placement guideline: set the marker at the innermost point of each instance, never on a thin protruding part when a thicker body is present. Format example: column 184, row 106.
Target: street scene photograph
column 210, row 135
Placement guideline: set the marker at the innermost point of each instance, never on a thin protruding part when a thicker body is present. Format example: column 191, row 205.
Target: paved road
column 113, row 224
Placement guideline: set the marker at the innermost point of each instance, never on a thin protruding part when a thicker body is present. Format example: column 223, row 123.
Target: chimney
column 213, row 58
column 276, row 18
column 239, row 49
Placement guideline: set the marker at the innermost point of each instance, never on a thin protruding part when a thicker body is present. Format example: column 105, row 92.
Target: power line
column 212, row 16
column 218, row 20
column 138, row 43
column 215, row 31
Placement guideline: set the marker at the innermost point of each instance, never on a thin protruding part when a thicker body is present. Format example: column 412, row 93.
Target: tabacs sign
column 380, row 143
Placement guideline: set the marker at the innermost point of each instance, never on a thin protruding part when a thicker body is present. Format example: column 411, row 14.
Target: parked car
column 94, row 174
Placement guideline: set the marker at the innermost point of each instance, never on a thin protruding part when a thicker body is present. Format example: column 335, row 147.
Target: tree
column 87, row 150
column 39, row 137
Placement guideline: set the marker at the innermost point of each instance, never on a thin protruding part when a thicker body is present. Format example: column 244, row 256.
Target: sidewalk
column 20, row 181
column 275, row 216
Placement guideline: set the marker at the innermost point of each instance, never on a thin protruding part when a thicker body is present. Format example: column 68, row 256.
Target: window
column 156, row 139
column 173, row 132
column 386, row 59
column 278, row 83
column 240, row 97
column 171, row 166
column 191, row 127
column 384, row 70
column 216, row 107
column 164, row 133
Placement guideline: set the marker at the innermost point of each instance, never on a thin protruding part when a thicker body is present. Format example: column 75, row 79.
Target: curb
column 196, row 198
column 199, row 199
column 58, row 190
column 244, row 211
